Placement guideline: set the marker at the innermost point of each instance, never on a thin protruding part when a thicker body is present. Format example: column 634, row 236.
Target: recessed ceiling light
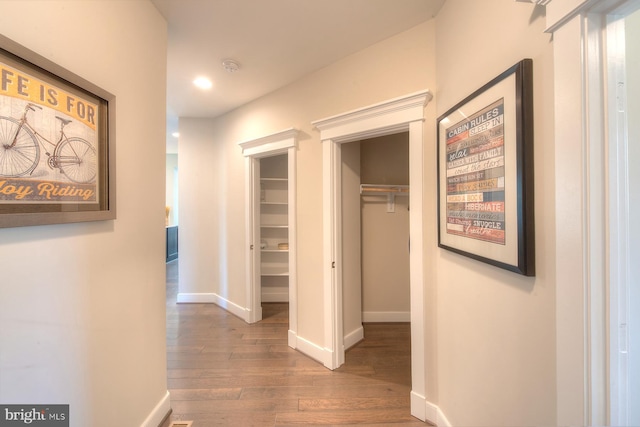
column 203, row 83
column 230, row 65
column 175, row 134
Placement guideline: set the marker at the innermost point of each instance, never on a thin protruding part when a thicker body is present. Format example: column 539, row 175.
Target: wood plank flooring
column 224, row 372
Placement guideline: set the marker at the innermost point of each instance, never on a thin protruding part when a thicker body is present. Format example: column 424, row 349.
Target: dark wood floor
column 223, row 371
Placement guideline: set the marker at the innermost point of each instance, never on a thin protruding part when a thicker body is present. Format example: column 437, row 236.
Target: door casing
column 284, row 142
column 404, row 114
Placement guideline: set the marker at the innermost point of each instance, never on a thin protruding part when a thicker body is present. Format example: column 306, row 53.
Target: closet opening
column 375, row 224
column 270, row 197
column 274, row 230
column 376, row 270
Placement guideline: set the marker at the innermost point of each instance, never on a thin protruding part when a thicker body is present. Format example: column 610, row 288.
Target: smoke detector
column 230, row 65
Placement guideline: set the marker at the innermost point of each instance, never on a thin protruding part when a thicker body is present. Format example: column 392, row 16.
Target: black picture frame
column 57, row 143
column 485, row 173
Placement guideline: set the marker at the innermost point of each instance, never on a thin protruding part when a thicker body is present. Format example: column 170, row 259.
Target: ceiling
column 274, row 42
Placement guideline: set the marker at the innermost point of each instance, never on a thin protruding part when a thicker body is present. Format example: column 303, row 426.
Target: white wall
column 82, row 306
column 201, row 205
column 496, row 329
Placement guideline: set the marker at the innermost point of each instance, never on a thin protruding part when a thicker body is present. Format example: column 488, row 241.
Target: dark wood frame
column 104, row 208
column 517, row 250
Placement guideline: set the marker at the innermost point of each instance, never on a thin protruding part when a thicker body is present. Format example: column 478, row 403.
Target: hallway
column 223, row 371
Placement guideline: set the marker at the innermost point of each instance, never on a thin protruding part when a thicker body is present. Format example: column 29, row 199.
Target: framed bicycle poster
column 485, row 173
column 56, row 143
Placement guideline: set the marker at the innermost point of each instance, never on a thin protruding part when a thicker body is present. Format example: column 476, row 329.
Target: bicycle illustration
column 20, row 146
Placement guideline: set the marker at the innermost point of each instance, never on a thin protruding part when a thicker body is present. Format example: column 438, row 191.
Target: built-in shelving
column 274, row 229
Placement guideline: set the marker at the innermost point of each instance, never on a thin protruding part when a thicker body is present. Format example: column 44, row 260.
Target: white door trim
column 619, row 260
column 585, row 274
column 619, row 228
column 284, row 142
column 404, row 114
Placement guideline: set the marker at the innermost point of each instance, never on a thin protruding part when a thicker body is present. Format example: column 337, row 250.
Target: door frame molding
column 284, row 142
column 619, row 257
column 584, row 330
column 403, row 114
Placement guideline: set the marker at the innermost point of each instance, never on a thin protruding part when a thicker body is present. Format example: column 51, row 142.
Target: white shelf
column 266, row 271
column 275, row 250
column 274, row 203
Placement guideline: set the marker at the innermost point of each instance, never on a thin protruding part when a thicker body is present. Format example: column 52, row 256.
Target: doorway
column 375, row 220
column 270, row 197
column 390, row 117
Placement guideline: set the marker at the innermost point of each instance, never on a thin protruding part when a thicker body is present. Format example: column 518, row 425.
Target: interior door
column 253, row 204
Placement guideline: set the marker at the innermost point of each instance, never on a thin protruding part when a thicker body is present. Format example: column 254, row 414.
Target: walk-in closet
column 375, row 224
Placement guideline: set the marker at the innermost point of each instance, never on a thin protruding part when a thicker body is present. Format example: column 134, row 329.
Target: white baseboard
column 292, row 339
column 418, row 407
column 353, row 337
column 186, row 297
column 427, row 411
column 211, row 298
column 442, row 421
column 233, row 308
column 386, row 316
column 158, row 413
column 310, row 349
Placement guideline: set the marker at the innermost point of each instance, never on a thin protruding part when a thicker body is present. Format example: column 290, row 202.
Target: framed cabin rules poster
column 485, row 173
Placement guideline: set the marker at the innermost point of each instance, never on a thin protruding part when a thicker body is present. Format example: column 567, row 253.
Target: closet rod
column 384, row 189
